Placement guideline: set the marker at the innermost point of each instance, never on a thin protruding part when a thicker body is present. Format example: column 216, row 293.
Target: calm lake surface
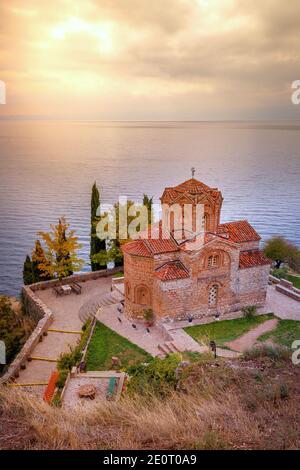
column 47, row 169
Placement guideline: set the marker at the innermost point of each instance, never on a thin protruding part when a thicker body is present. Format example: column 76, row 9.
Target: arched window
column 213, row 295
column 213, row 261
column 142, row 295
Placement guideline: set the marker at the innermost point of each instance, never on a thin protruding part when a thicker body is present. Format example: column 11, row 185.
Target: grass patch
column 105, row 343
column 119, row 274
column 294, row 279
column 284, row 334
column 227, row 330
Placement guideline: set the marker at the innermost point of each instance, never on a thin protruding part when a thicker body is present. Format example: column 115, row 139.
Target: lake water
column 47, row 169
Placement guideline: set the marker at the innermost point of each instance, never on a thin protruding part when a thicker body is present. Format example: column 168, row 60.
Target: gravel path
column 248, row 340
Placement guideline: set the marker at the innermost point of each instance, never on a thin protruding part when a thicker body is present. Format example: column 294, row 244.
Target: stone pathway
column 148, row 341
column 152, row 342
column 67, row 326
column 248, row 340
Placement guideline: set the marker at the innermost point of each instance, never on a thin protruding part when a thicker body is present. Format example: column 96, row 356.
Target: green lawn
column 116, row 275
column 285, row 333
column 225, row 330
column 294, row 279
column 105, row 343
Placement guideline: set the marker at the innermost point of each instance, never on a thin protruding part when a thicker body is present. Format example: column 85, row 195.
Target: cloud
column 216, row 58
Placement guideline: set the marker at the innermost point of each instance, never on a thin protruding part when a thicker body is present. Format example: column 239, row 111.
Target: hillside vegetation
column 15, row 327
column 249, row 403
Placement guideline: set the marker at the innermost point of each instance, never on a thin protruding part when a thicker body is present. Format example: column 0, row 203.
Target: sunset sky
column 150, row 59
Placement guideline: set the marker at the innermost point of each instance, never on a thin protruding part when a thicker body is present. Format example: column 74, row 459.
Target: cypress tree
column 63, row 256
column 39, row 258
column 96, row 245
column 27, row 271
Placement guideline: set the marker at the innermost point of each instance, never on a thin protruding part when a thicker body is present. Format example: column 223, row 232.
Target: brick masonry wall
column 249, row 246
column 138, row 271
column 179, row 299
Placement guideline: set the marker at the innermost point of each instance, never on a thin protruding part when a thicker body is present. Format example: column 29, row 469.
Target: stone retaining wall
column 82, row 277
column 37, row 309
column 285, row 287
column 40, row 312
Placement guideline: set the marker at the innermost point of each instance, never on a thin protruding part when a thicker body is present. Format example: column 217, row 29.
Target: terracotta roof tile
column 161, row 246
column 136, row 247
column 171, row 271
column 238, row 232
column 250, row 259
column 191, row 187
column 150, row 247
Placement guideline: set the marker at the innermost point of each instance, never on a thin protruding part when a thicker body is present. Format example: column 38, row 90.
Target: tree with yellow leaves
column 61, row 258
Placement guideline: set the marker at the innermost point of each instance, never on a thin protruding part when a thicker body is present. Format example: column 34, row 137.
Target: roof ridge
column 172, row 261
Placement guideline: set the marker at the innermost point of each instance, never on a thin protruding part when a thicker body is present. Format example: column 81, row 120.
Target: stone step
column 170, row 346
column 163, row 349
column 90, row 309
column 175, row 346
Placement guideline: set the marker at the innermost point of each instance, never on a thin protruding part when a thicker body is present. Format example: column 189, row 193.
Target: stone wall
column 138, row 273
column 40, row 312
column 82, row 277
column 254, row 245
column 287, row 288
column 182, row 298
column 253, row 283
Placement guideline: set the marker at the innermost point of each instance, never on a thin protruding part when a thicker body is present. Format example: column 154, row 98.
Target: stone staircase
column 90, row 308
column 168, row 347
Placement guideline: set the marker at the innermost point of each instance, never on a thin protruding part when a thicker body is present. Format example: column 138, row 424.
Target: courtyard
column 64, row 332
column 115, row 336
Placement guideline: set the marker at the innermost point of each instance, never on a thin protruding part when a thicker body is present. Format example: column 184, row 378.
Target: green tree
column 28, row 277
column 277, row 248
column 293, row 258
column 96, row 245
column 280, row 250
column 61, row 255
column 38, row 257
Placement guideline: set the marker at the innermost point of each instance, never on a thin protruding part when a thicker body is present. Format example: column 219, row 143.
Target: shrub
column 148, row 314
column 67, row 360
column 63, row 374
column 281, row 273
column 157, row 377
column 267, row 350
column 250, row 311
column 284, row 391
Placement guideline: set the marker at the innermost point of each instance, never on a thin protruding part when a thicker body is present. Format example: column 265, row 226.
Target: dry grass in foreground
column 251, row 404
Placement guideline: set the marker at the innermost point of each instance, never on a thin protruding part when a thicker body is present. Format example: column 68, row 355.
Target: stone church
column 183, row 279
